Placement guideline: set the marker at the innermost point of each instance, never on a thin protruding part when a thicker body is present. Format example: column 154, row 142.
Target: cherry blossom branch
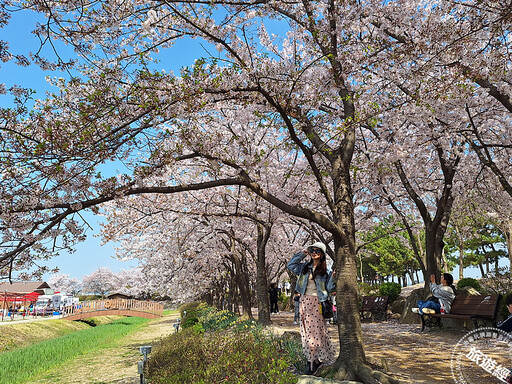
column 482, row 151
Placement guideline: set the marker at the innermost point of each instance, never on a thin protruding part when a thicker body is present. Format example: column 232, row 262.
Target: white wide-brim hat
column 319, row 245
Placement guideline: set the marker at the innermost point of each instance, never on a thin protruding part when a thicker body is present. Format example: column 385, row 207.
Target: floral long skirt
column 313, row 331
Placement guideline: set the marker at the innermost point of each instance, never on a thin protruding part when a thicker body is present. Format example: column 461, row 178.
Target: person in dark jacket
column 506, row 325
column 274, row 296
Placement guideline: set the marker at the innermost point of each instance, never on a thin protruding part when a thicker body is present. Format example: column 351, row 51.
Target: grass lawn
column 23, row 364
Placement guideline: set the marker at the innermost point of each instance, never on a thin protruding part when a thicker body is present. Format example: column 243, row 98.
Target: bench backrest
column 374, row 303
column 482, row 306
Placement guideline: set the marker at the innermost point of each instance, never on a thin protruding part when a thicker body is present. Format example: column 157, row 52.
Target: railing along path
column 122, row 307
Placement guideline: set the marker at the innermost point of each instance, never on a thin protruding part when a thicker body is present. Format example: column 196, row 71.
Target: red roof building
column 21, row 293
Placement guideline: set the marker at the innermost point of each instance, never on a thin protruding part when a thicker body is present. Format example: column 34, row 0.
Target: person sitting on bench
column 442, row 296
column 506, row 325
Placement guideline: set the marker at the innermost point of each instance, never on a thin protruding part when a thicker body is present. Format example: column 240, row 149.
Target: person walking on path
column 296, row 304
column 314, row 283
column 334, row 319
column 274, row 296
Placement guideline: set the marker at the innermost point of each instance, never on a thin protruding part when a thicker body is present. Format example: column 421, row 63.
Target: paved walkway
column 19, row 319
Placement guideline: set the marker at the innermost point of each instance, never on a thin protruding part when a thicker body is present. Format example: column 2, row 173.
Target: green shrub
column 469, row 282
column 367, row 290
column 197, row 329
column 221, row 347
column 285, row 300
column 189, row 321
column 189, row 314
column 178, row 359
column 188, row 309
column 390, row 289
column 291, row 346
column 213, row 319
column 227, row 357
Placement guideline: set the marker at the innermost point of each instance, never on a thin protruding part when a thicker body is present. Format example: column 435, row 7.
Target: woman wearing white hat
column 314, row 282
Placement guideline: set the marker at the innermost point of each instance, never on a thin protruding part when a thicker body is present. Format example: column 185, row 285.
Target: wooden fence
column 122, row 307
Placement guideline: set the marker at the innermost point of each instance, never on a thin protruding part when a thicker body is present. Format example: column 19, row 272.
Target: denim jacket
column 324, row 284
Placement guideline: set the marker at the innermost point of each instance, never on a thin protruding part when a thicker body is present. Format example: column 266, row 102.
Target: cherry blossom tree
column 64, row 283
column 424, row 179
column 100, row 282
column 132, row 282
column 443, row 71
column 334, row 75
column 225, row 228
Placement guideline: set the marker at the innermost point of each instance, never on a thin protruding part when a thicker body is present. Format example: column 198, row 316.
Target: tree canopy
column 314, row 107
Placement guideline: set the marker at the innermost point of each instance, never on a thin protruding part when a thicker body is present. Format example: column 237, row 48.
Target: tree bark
column 242, row 279
column 261, row 276
column 349, row 325
column 352, row 356
column 482, row 272
column 460, row 244
column 433, row 249
column 435, row 227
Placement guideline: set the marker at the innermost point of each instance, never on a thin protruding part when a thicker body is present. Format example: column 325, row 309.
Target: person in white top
column 442, row 296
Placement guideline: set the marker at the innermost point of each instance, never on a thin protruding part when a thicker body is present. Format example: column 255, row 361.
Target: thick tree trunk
column 433, row 251
column 434, row 239
column 261, row 276
column 242, row 279
column 351, row 362
column 349, row 324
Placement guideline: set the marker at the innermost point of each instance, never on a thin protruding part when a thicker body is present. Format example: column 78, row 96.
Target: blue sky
column 90, row 254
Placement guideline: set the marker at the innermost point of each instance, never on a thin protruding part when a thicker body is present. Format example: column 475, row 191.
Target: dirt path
column 419, row 358
column 116, row 364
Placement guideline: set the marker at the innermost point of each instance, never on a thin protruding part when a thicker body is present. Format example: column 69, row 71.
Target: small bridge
column 120, row 307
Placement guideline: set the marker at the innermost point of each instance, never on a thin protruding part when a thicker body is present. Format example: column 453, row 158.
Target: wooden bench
column 477, row 308
column 376, row 305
